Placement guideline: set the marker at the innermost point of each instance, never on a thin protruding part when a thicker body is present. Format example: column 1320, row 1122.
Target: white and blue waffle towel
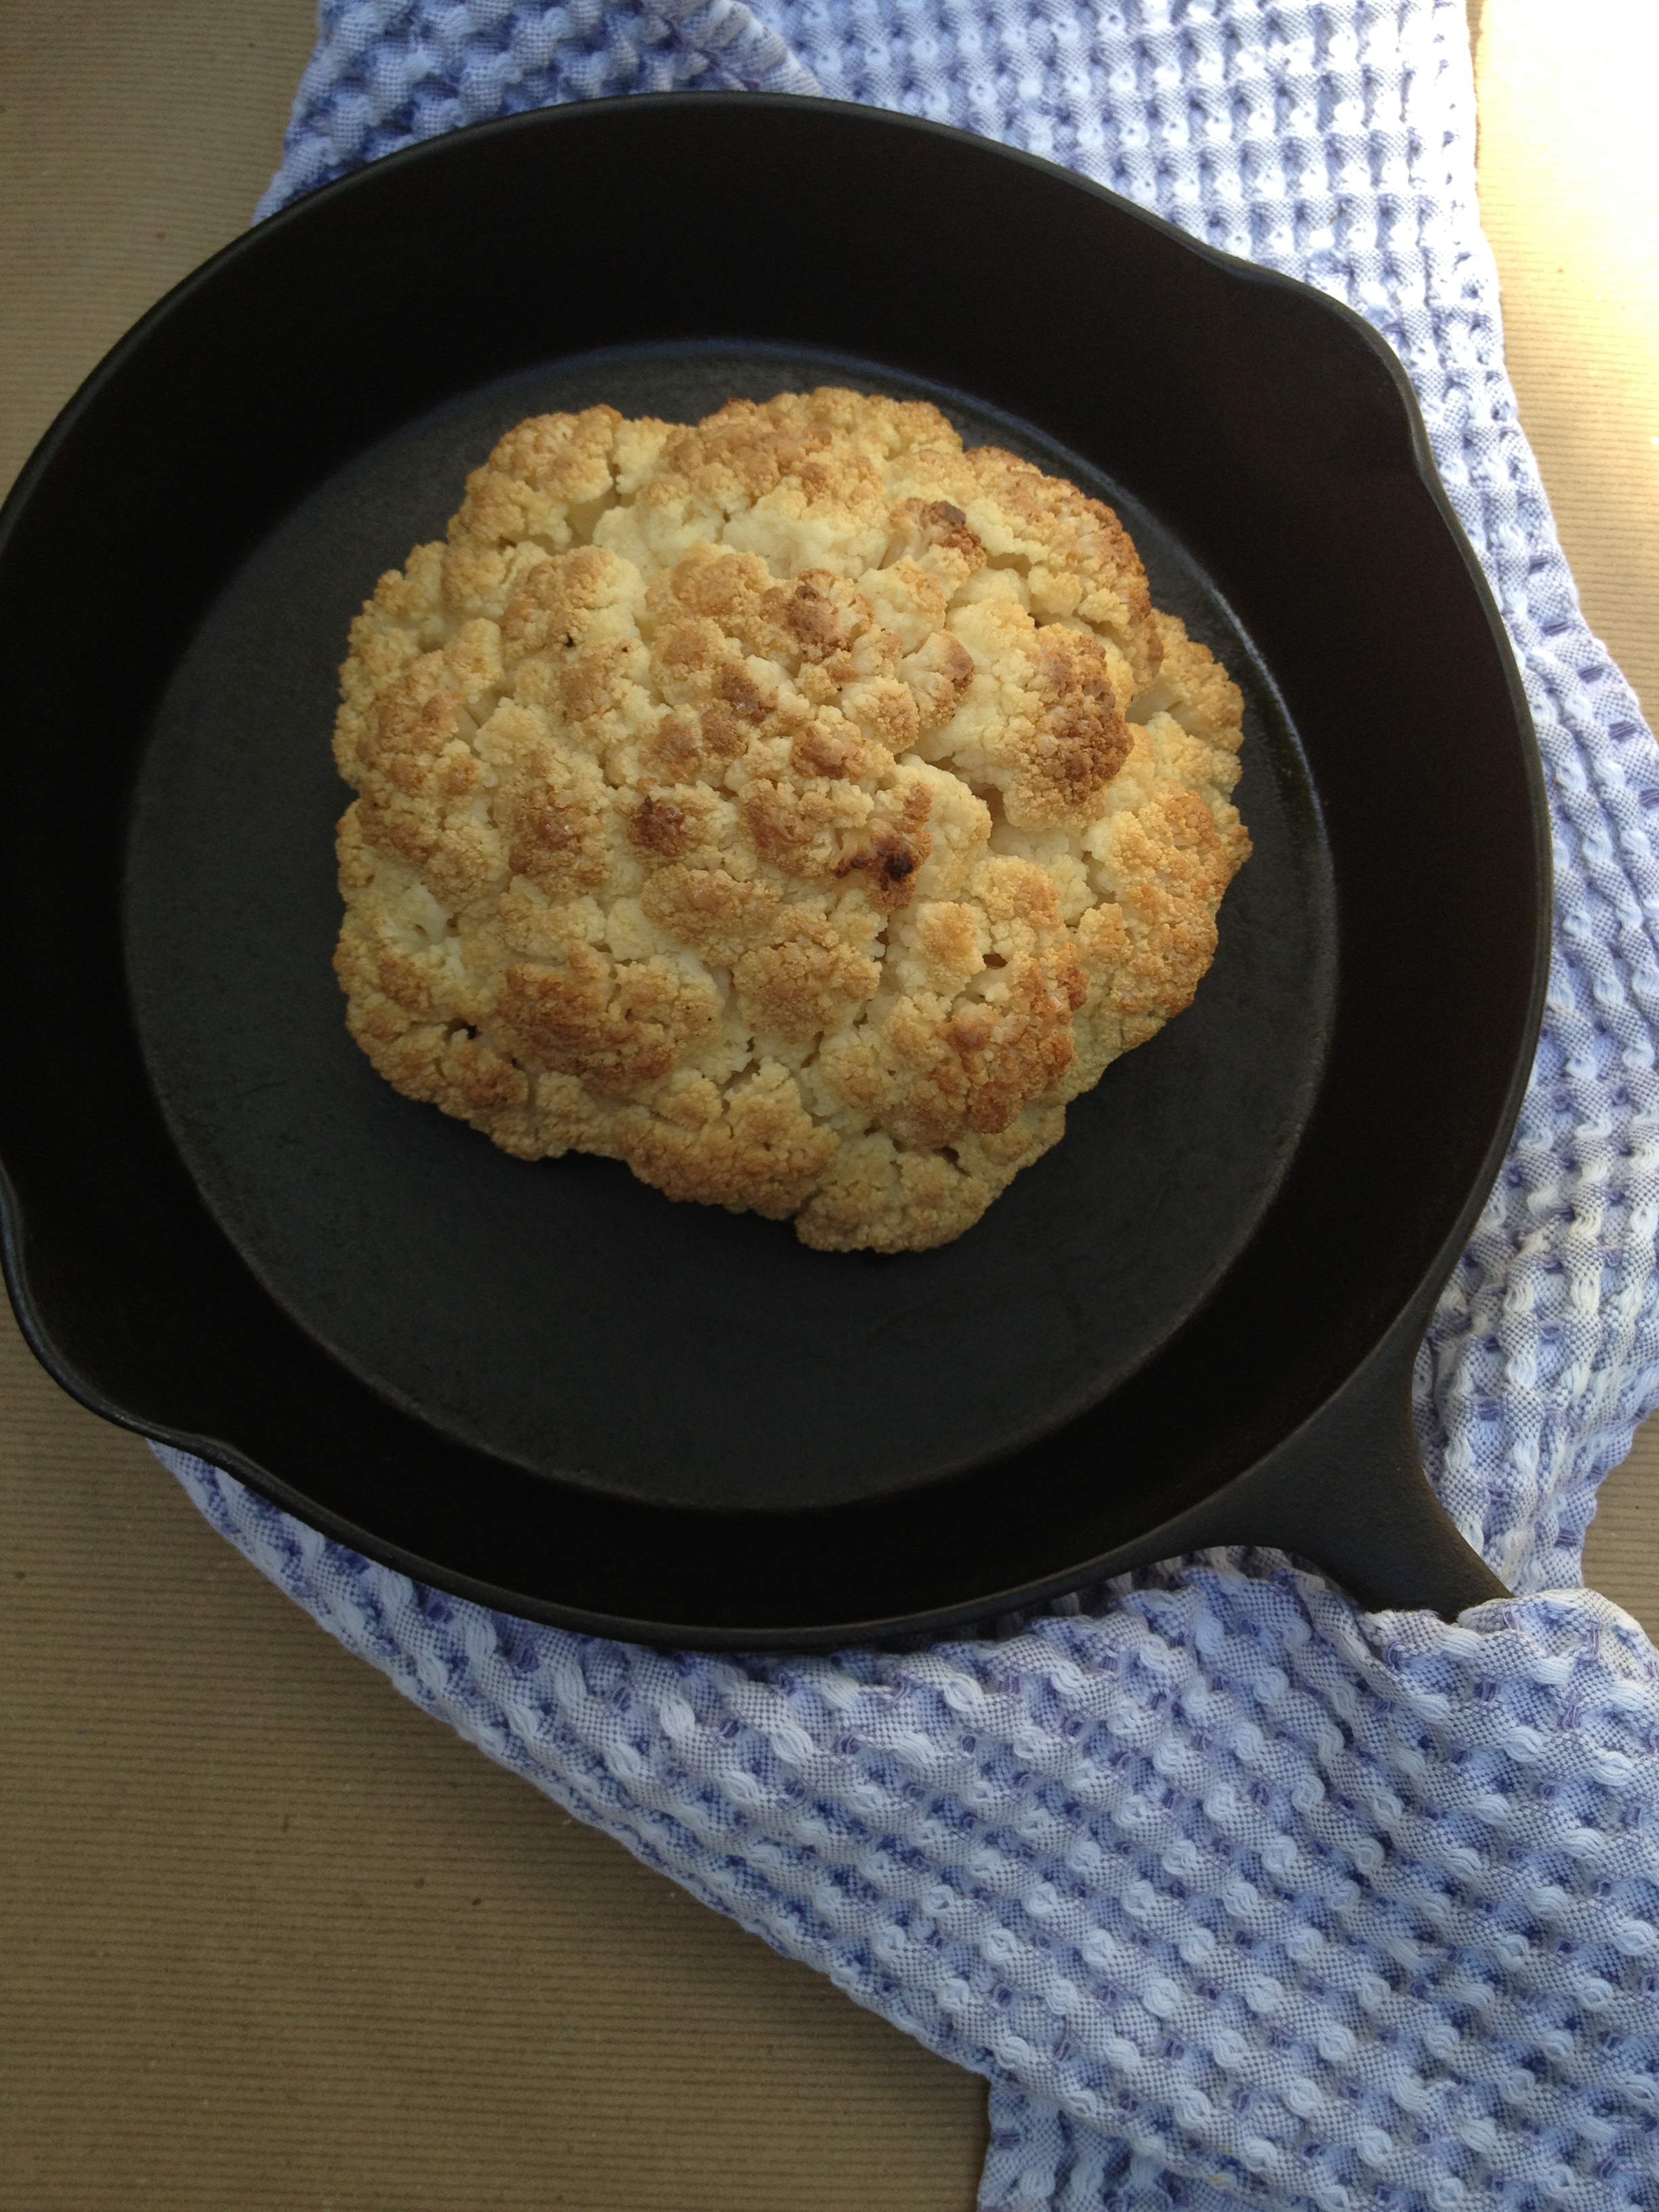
column 1232, row 1891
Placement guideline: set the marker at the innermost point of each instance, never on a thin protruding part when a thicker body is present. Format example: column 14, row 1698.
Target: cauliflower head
column 798, row 807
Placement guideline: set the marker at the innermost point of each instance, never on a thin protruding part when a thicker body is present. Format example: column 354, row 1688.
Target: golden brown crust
column 794, row 806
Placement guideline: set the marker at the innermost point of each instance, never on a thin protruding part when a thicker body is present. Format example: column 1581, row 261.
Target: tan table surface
column 272, row 1938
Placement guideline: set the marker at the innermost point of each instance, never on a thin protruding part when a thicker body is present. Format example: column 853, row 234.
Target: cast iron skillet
column 547, row 1387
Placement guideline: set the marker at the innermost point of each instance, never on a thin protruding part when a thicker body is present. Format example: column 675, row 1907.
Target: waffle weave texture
column 1232, row 1891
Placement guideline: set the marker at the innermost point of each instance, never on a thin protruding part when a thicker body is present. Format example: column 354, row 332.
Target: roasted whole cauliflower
column 797, row 807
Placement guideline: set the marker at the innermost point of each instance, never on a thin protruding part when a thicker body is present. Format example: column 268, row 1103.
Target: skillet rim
column 15, row 1226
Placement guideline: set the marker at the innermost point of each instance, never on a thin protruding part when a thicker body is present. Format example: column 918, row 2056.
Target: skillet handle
column 1348, row 1492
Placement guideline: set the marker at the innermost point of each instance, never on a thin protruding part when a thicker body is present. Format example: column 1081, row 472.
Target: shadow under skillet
column 562, row 1316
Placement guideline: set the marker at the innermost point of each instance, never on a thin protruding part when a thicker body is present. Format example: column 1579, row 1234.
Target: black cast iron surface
column 546, row 1386
column 507, row 1303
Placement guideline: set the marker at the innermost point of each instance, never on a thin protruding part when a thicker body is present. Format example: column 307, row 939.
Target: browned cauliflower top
column 797, row 807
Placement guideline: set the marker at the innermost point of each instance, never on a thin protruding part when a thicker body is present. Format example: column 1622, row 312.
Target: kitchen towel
column 1232, row 1891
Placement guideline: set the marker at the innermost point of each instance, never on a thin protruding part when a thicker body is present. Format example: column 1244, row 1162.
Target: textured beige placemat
column 1570, row 201
column 273, row 1939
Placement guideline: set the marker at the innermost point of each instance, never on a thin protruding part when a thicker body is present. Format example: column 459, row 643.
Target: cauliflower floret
column 794, row 806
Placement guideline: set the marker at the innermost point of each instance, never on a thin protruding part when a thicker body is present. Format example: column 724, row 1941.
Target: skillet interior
column 1273, row 439
column 562, row 1316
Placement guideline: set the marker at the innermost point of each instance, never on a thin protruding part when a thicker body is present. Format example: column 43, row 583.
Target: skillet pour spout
column 546, row 1388
column 1346, row 1492
column 1350, row 1493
